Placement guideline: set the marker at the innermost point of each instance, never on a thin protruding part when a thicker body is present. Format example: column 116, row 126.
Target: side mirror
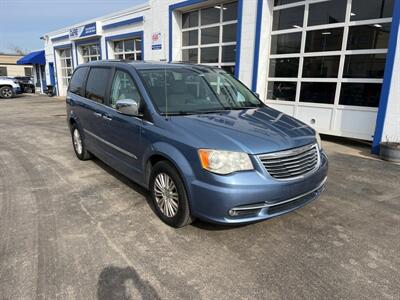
column 128, row 107
column 257, row 95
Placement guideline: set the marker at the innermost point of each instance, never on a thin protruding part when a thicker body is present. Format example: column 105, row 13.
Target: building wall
column 164, row 16
column 10, row 62
column 391, row 129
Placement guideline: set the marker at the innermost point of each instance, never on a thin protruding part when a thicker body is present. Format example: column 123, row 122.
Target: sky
column 23, row 22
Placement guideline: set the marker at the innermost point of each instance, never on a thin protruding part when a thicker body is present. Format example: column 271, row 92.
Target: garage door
column 326, row 62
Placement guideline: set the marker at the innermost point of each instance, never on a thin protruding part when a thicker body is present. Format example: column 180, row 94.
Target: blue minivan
column 198, row 139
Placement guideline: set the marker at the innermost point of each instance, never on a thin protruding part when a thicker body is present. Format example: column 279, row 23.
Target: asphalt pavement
column 79, row 230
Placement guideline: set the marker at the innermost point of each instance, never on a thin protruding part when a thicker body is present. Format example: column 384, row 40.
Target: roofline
column 114, row 15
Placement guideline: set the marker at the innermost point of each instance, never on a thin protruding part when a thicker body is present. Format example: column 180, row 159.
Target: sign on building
column 156, row 41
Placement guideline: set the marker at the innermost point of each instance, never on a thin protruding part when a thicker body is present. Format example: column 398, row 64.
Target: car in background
column 26, row 84
column 198, row 139
column 9, row 87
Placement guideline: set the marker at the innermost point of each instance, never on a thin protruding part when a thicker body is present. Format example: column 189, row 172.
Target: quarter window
column 130, row 49
column 123, row 87
column 209, row 36
column 97, row 84
column 76, row 85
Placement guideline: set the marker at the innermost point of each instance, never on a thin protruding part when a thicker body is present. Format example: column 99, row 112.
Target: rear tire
column 169, row 195
column 79, row 144
column 6, row 92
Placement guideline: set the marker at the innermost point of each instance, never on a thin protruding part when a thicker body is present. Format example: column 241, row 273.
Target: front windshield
column 184, row 91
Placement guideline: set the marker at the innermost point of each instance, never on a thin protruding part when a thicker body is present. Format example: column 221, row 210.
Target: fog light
column 233, row 212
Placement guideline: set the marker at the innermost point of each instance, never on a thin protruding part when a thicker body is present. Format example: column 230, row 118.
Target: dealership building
column 334, row 64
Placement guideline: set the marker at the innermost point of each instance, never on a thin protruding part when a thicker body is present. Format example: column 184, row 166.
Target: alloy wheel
column 7, row 93
column 77, row 141
column 166, row 195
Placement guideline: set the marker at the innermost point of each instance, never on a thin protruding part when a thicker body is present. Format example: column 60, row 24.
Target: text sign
column 83, row 31
column 156, row 41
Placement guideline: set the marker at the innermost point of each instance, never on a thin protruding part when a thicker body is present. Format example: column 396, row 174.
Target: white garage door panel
column 358, row 124
column 317, row 117
column 287, row 109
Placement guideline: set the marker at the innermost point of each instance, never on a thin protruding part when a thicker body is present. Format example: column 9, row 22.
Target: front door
column 124, row 132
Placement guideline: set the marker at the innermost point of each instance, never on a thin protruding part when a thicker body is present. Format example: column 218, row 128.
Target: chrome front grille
column 293, row 163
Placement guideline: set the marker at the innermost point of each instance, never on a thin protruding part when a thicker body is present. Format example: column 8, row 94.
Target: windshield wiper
column 199, row 112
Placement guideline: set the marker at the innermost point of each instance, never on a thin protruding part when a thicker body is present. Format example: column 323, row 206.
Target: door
column 91, row 109
column 124, row 132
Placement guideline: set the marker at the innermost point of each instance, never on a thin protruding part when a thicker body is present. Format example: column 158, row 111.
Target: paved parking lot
column 78, row 230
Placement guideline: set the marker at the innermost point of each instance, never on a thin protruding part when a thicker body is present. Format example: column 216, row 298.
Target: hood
column 253, row 131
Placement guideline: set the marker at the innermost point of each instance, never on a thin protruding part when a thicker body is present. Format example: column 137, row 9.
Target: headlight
column 224, row 162
column 318, row 138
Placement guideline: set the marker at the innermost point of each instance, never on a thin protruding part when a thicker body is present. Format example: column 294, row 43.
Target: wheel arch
column 162, row 151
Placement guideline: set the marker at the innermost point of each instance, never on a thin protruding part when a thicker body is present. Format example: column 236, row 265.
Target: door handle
column 107, row 118
column 98, row 115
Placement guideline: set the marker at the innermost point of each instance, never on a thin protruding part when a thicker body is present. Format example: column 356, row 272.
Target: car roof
column 140, row 65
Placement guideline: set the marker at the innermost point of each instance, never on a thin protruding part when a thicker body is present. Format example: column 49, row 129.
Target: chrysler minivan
column 198, row 139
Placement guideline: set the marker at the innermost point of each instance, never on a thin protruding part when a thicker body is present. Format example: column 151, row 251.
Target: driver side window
column 123, row 87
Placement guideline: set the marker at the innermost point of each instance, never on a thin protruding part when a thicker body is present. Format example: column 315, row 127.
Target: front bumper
column 17, row 90
column 247, row 197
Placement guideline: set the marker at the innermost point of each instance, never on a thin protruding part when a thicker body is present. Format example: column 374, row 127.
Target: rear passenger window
column 77, row 81
column 97, row 84
column 123, row 87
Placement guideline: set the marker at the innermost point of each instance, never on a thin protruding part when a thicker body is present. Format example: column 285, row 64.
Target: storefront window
column 209, row 36
column 331, row 52
column 90, row 52
column 130, row 49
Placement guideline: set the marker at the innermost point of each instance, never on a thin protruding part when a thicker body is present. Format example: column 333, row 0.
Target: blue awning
column 33, row 58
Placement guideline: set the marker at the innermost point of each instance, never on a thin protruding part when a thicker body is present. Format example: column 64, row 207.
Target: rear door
column 92, row 109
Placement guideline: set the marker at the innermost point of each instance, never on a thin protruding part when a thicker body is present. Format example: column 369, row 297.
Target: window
column 375, row 9
column 76, row 85
column 28, row 71
column 286, row 43
column 364, row 66
column 65, row 66
column 327, row 12
column 340, row 51
column 96, row 84
column 283, row 2
column 285, row 91
column 374, row 36
column 283, row 67
column 318, row 92
column 324, row 40
column 209, row 36
column 190, row 19
column 288, row 18
column 360, row 94
column 190, row 55
column 123, row 87
column 321, row 66
column 130, row 49
column 90, row 52
column 3, row 71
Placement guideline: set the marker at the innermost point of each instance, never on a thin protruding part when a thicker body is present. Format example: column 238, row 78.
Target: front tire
column 169, row 195
column 6, row 92
column 78, row 144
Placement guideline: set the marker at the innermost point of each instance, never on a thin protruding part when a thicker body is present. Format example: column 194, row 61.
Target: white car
column 9, row 87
